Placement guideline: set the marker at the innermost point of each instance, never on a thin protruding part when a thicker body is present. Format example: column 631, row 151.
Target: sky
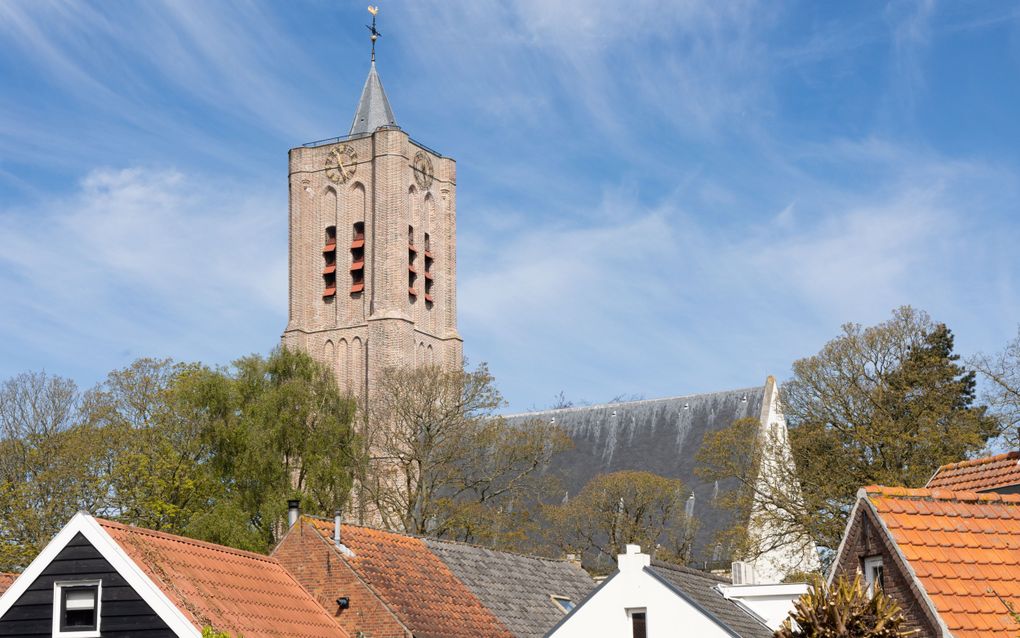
column 655, row 197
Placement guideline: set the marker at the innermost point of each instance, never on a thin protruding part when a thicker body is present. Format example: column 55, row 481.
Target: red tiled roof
column 6, row 580
column 964, row 548
column 238, row 592
column 419, row 588
column 979, row 475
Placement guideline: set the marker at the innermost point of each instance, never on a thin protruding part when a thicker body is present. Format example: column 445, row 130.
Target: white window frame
column 58, row 608
column 868, row 565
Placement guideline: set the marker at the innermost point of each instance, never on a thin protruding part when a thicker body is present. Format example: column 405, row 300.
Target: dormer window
column 76, row 609
column 563, row 603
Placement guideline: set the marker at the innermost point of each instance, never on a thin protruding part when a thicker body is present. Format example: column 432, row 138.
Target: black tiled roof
column 700, row 588
column 661, row 436
column 517, row 589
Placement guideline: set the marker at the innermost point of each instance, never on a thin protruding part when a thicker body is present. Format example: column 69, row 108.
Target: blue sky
column 654, row 197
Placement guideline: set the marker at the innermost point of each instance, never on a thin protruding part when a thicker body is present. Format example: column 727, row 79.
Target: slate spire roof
column 373, row 108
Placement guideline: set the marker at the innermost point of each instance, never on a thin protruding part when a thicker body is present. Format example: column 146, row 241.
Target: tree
column 761, row 489
column 47, row 468
column 277, row 428
column 1002, row 373
column 844, row 610
column 881, row 405
column 616, row 509
column 439, row 462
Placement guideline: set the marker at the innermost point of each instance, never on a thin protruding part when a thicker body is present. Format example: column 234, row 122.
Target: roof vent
column 338, row 518
column 293, row 511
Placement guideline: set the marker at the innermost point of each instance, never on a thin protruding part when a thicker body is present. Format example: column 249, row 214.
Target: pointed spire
column 373, row 107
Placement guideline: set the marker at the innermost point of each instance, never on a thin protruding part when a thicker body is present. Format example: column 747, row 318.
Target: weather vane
column 375, row 34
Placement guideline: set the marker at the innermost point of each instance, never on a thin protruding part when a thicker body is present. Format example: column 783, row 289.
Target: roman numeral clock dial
column 341, row 163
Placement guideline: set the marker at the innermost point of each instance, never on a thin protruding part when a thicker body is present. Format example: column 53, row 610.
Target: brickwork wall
column 322, row 572
column 865, row 538
column 364, row 333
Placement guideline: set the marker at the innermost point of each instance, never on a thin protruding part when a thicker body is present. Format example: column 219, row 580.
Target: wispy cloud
column 139, row 262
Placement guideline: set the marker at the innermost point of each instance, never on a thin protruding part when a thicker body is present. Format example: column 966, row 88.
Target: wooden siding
column 123, row 611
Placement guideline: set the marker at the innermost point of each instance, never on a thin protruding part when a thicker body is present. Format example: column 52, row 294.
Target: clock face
column 422, row 166
column 341, row 163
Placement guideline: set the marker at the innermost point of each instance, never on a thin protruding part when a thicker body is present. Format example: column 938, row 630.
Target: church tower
column 373, row 269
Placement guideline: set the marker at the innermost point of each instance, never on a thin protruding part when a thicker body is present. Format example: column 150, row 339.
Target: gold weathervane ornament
column 375, row 34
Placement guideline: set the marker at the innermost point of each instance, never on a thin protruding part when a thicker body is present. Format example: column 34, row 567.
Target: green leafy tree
column 881, row 405
column 439, row 462
column 844, row 610
column 278, row 428
column 628, row 507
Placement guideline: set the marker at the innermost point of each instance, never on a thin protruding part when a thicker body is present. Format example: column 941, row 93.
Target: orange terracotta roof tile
column 420, row 589
column 963, row 547
column 239, row 592
column 979, row 475
column 6, row 580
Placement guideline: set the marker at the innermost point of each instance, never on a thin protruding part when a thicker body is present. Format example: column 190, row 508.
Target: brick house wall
column 317, row 565
column 864, row 539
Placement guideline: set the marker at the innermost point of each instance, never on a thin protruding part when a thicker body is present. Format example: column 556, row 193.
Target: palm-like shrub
column 844, row 609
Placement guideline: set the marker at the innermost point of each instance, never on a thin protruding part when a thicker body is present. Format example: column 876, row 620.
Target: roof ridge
column 186, row 540
column 1015, row 454
column 940, row 494
column 594, row 406
column 684, row 569
column 437, row 540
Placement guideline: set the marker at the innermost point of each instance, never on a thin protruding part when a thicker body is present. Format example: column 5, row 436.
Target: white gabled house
column 646, row 599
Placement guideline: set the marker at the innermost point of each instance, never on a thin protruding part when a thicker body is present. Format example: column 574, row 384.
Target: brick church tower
column 373, row 268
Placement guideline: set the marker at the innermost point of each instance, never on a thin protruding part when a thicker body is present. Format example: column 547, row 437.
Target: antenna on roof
column 375, row 34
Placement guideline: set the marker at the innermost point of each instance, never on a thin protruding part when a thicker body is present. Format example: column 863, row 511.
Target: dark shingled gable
column 701, row 589
column 517, row 589
column 661, row 436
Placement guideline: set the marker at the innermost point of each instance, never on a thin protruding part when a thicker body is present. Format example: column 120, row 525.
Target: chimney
column 337, row 519
column 293, row 511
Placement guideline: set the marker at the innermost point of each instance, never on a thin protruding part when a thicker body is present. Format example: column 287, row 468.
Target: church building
column 373, row 268
column 373, row 285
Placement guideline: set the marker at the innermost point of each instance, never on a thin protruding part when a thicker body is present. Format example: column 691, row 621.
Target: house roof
column 228, row 589
column 661, row 436
column 979, row 475
column 6, row 580
column 420, row 589
column 518, row 589
column 963, row 549
column 701, row 589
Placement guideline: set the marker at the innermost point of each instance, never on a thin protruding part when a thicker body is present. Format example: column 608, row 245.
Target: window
column 412, row 274
column 874, row 578
column 329, row 265
column 358, row 258
column 563, row 603
column 76, row 609
column 428, row 272
column 638, row 620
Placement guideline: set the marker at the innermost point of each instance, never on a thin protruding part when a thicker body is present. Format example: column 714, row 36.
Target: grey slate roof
column 516, row 588
column 373, row 107
column 699, row 588
column 660, row 436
